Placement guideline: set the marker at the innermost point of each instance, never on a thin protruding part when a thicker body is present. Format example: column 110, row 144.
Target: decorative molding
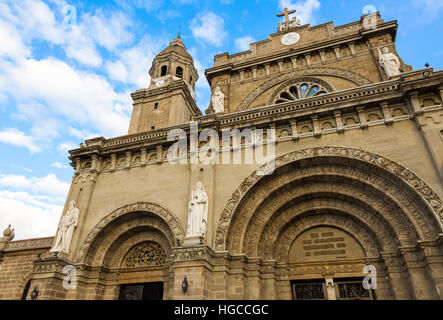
column 192, row 254
column 29, row 244
column 421, row 188
column 165, row 214
column 348, row 75
column 146, row 254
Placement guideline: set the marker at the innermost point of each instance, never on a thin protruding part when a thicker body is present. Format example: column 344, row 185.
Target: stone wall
column 16, row 263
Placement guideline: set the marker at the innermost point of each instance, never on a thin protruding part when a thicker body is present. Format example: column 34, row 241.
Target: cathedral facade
column 314, row 174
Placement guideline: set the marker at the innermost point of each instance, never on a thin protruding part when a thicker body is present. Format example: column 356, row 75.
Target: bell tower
column 170, row 98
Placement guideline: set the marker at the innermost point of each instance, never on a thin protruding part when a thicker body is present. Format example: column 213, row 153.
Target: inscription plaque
column 325, row 244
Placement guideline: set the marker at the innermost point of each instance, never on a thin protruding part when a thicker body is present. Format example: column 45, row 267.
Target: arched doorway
column 338, row 262
column 385, row 208
column 142, row 272
column 130, row 252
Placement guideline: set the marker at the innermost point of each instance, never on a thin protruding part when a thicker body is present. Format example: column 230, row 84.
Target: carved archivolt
column 264, row 245
column 119, row 250
column 146, row 254
column 170, row 219
column 426, row 209
column 284, row 242
column 349, row 75
column 330, row 185
column 124, row 234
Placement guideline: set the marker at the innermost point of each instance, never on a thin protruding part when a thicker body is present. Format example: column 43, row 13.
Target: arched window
column 179, row 73
column 164, row 71
column 300, row 90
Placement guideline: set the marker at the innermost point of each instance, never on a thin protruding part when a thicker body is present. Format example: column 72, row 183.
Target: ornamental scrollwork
column 146, row 254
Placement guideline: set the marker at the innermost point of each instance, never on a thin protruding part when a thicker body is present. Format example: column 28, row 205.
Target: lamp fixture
column 185, row 285
column 34, row 293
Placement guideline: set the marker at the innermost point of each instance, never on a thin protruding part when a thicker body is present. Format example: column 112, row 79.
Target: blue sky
column 62, row 80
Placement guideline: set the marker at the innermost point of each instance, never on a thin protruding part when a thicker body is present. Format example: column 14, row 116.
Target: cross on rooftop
column 286, row 14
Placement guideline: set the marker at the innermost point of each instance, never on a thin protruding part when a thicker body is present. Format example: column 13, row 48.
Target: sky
column 67, row 69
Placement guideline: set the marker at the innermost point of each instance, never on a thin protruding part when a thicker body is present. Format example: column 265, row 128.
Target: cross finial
column 286, row 14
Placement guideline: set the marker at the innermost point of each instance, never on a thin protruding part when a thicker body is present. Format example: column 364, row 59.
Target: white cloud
column 109, row 31
column 82, row 48
column 80, row 97
column 36, row 20
column 133, row 63
column 305, row 9
column 117, row 71
column 29, row 217
column 58, row 165
column 10, row 44
column 243, row 43
column 32, row 205
column 148, row 5
column 431, row 9
column 49, row 185
column 209, row 27
column 18, row 138
column 67, row 146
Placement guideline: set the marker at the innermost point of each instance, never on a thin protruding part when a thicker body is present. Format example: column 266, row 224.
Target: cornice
column 180, row 85
column 336, row 101
column 292, row 52
column 29, row 244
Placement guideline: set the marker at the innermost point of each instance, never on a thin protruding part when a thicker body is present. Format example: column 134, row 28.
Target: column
column 420, row 278
column 113, row 161
column 386, row 113
column 268, row 69
column 254, row 72
column 317, row 132
column 294, row 63
column 414, row 102
column 330, row 288
column 352, row 48
column 242, row 75
column 362, row 115
column 144, row 156
column 295, row 135
column 322, row 56
column 280, row 65
column 432, row 251
column 128, row 159
column 337, row 51
column 398, row 276
column 159, row 154
column 339, row 122
column 308, row 59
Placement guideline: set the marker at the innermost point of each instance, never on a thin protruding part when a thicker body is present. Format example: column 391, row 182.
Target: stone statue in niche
column 218, row 101
column 68, row 224
column 389, row 62
column 198, row 212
